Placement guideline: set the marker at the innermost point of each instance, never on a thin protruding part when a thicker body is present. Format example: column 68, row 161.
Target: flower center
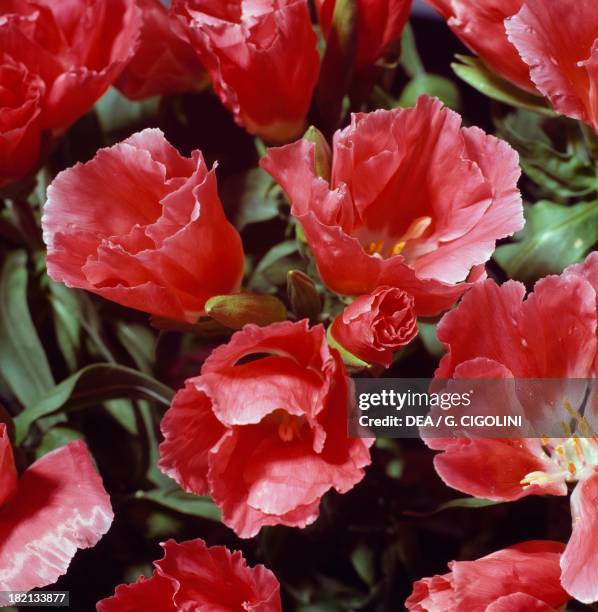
column 288, row 425
column 415, row 230
column 572, row 456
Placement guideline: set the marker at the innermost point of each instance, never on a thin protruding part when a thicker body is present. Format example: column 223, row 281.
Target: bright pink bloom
column 414, row 201
column 56, row 60
column 143, row 226
column 165, row 61
column 77, row 47
column 261, row 57
column 21, row 95
column 520, row 578
column 373, row 326
column 192, row 576
column 558, row 40
column 380, row 24
column 551, row 334
column 57, row 506
column 480, row 24
column 263, row 429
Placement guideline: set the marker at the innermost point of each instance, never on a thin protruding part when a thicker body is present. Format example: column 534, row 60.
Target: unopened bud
column 322, row 152
column 303, row 295
column 236, row 310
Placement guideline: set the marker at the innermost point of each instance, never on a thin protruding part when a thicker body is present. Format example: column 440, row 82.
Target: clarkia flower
column 263, row 428
column 143, row 226
column 165, row 62
column 56, row 61
column 55, row 507
column 374, row 326
column 261, row 57
column 558, row 41
column 193, row 576
column 414, row 201
column 480, row 24
column 519, row 578
column 495, row 332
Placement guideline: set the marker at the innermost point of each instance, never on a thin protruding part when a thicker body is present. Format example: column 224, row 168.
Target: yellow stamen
column 415, row 230
column 376, row 247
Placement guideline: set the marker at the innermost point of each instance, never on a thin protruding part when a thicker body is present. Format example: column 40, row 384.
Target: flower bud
column 236, row 310
column 303, row 296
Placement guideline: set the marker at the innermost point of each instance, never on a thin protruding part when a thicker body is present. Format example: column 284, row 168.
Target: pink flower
column 373, row 326
column 57, row 506
column 143, row 226
column 261, row 58
column 558, row 40
column 21, row 94
column 165, row 61
column 414, row 201
column 520, row 578
column 192, row 576
column 551, row 334
column 263, row 429
column 480, row 24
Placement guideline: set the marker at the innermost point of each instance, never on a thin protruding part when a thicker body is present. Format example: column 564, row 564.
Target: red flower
column 551, row 334
column 520, row 578
column 77, row 48
column 263, row 429
column 143, row 226
column 165, row 61
column 414, row 201
column 380, row 24
column 192, row 576
column 480, row 24
column 57, row 506
column 261, row 57
column 373, row 326
column 21, row 95
column 558, row 40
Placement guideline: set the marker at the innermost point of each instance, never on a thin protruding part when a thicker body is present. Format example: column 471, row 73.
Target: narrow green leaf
column 93, row 385
column 23, row 361
column 410, row 59
column 67, row 316
column 461, row 502
column 475, row 73
column 182, row 502
column 554, row 237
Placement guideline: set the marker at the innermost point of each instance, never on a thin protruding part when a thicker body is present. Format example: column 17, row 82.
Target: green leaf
column 461, row 502
column 362, row 559
column 433, row 85
column 182, row 502
column 56, row 438
column 115, row 112
column 474, row 72
column 567, row 173
column 93, row 385
column 429, row 338
column 254, row 196
column 139, row 342
column 272, row 270
column 554, row 237
column 23, row 361
column 410, row 59
column 67, row 316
